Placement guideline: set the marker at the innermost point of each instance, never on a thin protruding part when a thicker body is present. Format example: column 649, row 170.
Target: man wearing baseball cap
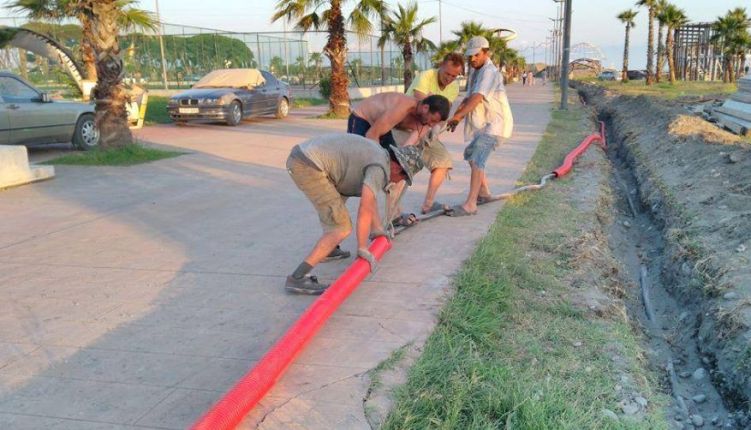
column 487, row 120
column 332, row 167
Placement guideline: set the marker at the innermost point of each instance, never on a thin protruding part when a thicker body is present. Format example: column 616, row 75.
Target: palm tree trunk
column 336, row 50
column 109, row 93
column 671, row 56
column 23, row 67
column 651, row 47
column 407, row 54
column 87, row 49
column 624, row 73
column 660, row 53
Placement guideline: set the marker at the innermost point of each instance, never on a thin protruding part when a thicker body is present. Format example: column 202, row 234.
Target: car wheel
column 235, row 113
column 86, row 135
column 282, row 109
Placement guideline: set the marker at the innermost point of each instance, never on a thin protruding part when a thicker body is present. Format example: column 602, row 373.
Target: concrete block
column 15, row 169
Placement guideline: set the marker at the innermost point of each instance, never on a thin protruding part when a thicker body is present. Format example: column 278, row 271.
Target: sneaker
column 337, row 254
column 305, row 285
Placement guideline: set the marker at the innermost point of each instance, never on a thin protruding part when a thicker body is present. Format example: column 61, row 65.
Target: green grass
column 156, row 111
column 505, row 353
column 308, row 101
column 667, row 91
column 125, row 156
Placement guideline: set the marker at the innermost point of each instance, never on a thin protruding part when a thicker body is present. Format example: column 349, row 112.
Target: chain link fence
column 191, row 52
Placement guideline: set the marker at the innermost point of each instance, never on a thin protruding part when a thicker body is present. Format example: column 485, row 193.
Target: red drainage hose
column 230, row 410
column 568, row 162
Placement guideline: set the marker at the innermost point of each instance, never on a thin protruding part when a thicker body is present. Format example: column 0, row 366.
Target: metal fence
column 191, row 52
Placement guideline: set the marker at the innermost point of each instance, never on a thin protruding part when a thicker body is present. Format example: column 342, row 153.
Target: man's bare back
column 385, row 111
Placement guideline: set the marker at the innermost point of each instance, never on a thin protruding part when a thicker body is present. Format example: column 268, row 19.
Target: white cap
column 476, row 44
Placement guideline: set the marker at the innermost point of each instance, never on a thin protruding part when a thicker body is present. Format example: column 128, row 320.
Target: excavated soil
column 690, row 231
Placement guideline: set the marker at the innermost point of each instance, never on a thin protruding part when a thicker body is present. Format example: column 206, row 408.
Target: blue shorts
column 357, row 125
column 478, row 151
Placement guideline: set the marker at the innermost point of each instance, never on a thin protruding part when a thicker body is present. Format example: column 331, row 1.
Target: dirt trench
column 682, row 231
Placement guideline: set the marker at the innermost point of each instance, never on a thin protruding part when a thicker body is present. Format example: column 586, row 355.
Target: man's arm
column 367, row 215
column 386, row 122
column 465, row 108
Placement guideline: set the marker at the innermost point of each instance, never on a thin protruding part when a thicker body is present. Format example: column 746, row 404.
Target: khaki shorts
column 317, row 187
column 436, row 156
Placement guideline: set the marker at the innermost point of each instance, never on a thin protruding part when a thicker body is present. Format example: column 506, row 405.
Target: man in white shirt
column 488, row 121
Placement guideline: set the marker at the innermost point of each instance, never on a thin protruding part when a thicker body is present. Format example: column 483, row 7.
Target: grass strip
column 510, row 351
column 125, row 156
column 301, row 102
column 665, row 90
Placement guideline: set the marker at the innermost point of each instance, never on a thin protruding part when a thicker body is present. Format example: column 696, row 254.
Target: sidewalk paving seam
column 192, row 272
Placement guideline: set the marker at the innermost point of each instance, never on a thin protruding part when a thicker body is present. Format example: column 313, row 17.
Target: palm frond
column 133, row 18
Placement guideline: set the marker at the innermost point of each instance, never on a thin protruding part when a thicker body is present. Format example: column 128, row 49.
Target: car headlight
column 208, row 101
column 172, row 102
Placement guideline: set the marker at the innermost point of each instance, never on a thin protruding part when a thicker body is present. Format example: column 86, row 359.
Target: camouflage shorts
column 317, row 187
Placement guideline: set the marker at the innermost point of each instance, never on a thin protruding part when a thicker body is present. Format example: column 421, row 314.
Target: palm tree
column 659, row 7
column 650, row 4
column 674, row 18
column 316, row 59
column 731, row 32
column 444, row 49
column 470, row 29
column 405, row 30
column 101, row 21
column 308, row 15
column 627, row 17
column 129, row 18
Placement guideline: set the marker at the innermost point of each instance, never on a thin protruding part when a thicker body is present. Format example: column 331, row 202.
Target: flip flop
column 458, row 210
column 435, row 207
column 405, row 220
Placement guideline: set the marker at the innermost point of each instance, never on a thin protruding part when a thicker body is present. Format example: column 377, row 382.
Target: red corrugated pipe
column 568, row 162
column 229, row 411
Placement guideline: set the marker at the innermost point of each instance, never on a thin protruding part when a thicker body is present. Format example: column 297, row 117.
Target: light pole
column 161, row 46
column 440, row 23
column 566, row 48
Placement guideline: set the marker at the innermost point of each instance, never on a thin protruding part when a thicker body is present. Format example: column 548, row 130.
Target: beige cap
column 475, row 45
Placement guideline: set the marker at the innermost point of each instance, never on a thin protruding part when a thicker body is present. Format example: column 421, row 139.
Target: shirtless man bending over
column 375, row 116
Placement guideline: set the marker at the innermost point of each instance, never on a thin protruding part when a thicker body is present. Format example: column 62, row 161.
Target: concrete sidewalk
column 135, row 297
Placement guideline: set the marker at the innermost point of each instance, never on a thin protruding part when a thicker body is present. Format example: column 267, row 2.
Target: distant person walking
column 524, row 78
column 544, row 76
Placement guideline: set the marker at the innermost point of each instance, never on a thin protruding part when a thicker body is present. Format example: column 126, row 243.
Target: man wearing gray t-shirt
column 330, row 168
column 488, row 121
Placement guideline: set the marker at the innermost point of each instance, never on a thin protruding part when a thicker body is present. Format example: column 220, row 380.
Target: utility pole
column 161, row 46
column 566, row 48
column 440, row 23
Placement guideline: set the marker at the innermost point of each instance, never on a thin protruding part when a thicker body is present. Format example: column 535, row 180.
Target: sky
column 594, row 21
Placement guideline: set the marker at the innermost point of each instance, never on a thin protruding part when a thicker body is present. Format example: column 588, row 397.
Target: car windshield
column 231, row 78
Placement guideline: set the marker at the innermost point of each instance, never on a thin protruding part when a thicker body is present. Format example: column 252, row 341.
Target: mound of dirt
column 695, row 179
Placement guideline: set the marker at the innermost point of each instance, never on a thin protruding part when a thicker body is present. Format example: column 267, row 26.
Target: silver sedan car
column 28, row 117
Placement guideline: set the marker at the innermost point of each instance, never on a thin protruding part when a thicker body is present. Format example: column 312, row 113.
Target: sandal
column 458, row 210
column 404, row 220
column 435, row 207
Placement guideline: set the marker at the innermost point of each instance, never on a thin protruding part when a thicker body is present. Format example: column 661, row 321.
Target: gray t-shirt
column 350, row 161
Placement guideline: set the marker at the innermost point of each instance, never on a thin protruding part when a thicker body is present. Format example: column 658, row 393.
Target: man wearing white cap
column 488, row 121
